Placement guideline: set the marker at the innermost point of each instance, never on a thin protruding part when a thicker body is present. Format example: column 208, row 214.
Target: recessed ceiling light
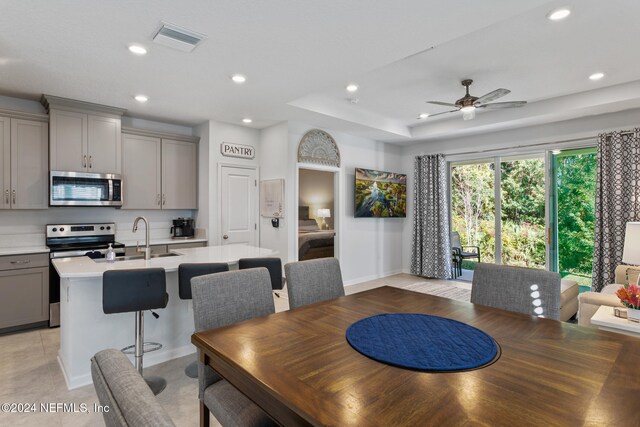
column 423, row 116
column 238, row 78
column 558, row 14
column 141, row 98
column 596, row 76
column 246, row 120
column 137, row 49
column 352, row 87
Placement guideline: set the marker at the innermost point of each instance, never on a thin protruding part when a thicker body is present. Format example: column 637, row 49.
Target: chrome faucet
column 146, row 250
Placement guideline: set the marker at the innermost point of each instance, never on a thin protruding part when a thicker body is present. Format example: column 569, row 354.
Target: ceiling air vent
column 178, row 38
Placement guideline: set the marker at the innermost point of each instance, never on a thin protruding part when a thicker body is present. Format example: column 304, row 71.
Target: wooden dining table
column 299, row 368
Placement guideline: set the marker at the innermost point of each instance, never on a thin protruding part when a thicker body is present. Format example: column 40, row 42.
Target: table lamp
column 631, row 251
column 325, row 213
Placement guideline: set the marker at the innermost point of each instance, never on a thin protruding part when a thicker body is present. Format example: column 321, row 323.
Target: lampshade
column 324, row 213
column 631, row 252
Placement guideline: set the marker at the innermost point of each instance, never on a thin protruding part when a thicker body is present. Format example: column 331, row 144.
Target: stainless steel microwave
column 84, row 189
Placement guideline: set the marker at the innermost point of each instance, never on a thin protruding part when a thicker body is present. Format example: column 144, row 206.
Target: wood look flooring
column 29, row 373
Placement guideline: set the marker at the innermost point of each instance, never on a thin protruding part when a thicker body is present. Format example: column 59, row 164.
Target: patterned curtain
column 431, row 252
column 617, row 200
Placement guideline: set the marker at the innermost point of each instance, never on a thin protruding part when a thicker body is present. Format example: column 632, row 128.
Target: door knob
column 225, row 237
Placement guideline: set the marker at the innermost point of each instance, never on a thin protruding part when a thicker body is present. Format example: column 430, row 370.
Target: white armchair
column 590, row 302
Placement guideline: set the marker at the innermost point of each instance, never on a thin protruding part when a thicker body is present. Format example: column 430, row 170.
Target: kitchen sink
column 137, row 257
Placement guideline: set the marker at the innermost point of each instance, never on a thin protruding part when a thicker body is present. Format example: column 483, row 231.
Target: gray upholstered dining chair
column 313, row 281
column 222, row 299
column 121, row 388
column 523, row 290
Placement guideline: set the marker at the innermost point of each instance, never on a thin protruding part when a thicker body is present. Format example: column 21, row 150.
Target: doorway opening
column 316, row 214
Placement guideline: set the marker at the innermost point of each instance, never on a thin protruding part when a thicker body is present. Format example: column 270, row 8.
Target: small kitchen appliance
column 84, row 189
column 182, row 228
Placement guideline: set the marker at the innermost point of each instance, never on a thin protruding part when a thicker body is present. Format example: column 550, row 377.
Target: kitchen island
column 85, row 329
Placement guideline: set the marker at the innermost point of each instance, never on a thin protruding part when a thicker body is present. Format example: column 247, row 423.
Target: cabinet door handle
column 164, row 199
column 14, row 197
column 6, row 197
column 158, row 199
column 90, row 157
column 22, row 261
column 84, row 164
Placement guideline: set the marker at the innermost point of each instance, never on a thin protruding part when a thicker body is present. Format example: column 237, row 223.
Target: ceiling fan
column 468, row 104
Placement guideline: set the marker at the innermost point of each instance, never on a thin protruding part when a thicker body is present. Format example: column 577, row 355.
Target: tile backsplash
column 27, row 228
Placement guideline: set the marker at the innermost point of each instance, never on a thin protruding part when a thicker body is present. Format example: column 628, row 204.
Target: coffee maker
column 182, row 228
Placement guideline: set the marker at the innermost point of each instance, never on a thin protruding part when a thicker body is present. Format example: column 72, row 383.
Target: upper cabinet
column 159, row 171
column 84, row 137
column 179, row 175
column 141, row 161
column 23, row 164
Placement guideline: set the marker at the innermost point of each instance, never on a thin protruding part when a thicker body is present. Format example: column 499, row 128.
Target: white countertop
column 24, row 250
column 86, row 267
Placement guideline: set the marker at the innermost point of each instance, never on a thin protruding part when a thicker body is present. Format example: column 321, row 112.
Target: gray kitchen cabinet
column 141, row 172
column 24, row 174
column 24, row 290
column 104, row 144
column 83, row 142
column 179, row 175
column 159, row 173
column 84, row 137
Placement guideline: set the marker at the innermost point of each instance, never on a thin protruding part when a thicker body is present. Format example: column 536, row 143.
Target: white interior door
column 238, row 205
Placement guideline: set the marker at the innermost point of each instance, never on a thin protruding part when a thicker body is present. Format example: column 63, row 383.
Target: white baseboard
column 372, row 277
column 150, row 359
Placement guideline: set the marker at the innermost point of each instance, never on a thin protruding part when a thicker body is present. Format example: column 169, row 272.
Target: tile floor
column 29, row 373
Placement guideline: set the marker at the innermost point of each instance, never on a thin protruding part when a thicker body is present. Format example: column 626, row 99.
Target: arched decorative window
column 318, row 147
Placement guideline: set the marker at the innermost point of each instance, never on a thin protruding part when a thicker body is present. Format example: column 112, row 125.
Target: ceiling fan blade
column 498, row 93
column 444, row 112
column 499, row 105
column 446, row 104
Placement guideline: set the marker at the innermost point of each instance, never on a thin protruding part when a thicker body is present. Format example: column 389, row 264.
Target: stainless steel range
column 74, row 240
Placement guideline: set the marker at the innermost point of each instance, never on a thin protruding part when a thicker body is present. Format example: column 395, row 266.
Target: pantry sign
column 237, row 150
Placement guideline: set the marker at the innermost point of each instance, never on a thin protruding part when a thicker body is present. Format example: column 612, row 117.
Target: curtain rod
column 624, row 132
column 541, row 144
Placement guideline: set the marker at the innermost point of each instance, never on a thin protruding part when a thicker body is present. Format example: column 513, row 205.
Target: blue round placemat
column 422, row 342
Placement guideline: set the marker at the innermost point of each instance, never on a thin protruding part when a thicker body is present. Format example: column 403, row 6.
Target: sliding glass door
column 571, row 214
column 473, row 207
column 522, row 211
column 534, row 210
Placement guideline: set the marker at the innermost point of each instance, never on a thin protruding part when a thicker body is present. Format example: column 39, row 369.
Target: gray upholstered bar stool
column 186, row 272
column 274, row 265
column 128, row 291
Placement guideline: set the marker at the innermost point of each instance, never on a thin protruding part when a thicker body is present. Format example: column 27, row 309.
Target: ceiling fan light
column 468, row 109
